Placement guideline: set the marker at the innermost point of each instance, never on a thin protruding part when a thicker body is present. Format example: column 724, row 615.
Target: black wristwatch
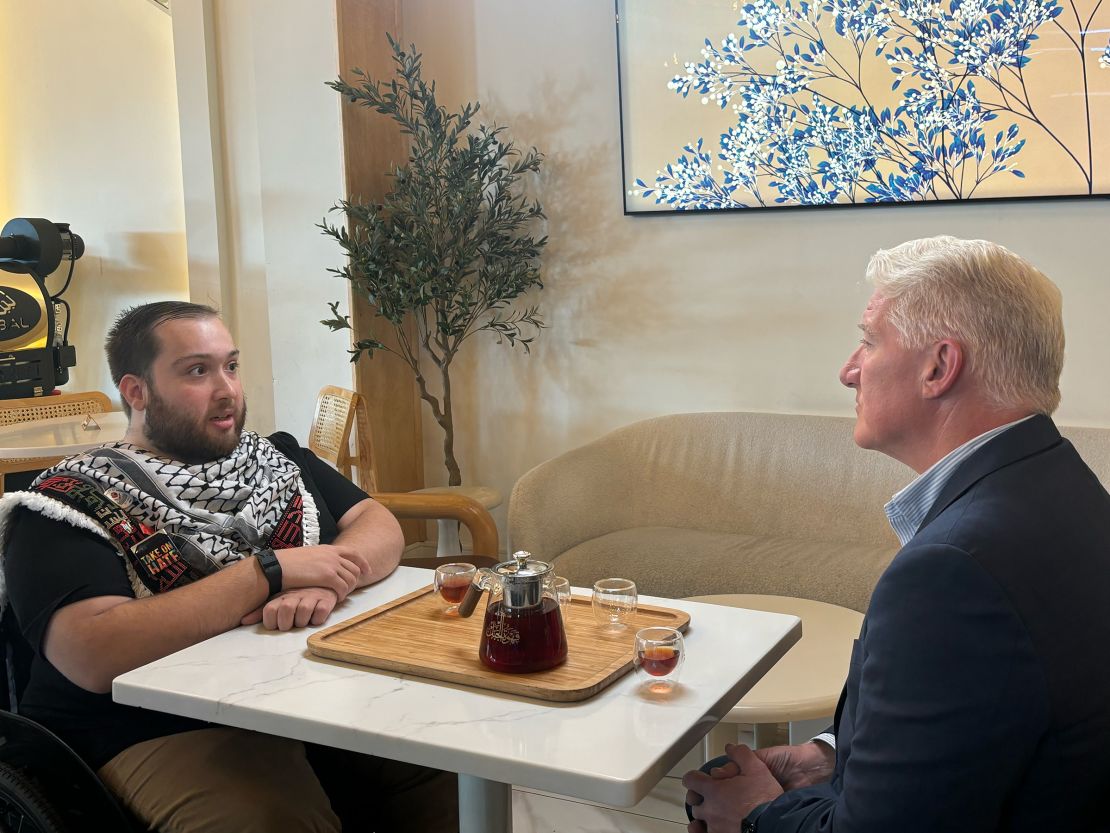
column 271, row 568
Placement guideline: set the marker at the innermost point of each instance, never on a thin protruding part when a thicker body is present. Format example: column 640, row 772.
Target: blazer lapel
column 1030, row 437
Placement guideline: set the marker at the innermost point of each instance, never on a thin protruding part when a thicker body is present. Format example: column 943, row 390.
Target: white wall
column 88, row 136
column 647, row 315
column 263, row 158
column 652, row 315
column 98, row 143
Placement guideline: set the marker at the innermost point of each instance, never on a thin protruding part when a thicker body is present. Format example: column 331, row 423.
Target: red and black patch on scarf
column 153, row 555
column 158, row 563
column 289, row 531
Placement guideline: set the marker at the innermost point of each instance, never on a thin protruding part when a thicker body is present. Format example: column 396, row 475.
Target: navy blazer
column 978, row 696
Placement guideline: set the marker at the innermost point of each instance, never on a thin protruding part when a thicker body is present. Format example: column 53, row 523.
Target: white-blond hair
column 999, row 307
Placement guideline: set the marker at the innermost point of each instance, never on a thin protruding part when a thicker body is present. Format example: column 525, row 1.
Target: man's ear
column 134, row 391
column 945, row 365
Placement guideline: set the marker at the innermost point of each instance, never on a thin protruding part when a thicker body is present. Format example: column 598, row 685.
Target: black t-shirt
column 49, row 564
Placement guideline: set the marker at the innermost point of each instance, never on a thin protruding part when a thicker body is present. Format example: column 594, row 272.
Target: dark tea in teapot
column 522, row 640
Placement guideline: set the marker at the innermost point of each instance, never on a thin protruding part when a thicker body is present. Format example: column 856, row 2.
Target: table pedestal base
column 484, row 806
column 762, row 735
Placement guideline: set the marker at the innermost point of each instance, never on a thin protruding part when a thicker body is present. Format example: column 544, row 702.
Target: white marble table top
column 59, row 436
column 612, row 748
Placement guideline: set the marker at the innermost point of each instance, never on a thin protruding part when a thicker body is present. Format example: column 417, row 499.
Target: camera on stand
column 35, row 354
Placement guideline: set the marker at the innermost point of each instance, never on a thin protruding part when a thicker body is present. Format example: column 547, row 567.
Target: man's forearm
column 370, row 531
column 93, row 641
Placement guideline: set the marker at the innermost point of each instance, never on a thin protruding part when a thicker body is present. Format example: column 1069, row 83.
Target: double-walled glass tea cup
column 562, row 595
column 658, row 657
column 614, row 602
column 452, row 582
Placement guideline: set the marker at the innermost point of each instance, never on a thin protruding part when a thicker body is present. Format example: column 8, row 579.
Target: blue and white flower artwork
column 730, row 104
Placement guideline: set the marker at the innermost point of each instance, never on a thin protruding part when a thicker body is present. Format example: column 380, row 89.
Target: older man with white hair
column 978, row 695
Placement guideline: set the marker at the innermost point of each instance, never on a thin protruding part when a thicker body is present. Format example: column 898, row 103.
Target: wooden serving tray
column 413, row 635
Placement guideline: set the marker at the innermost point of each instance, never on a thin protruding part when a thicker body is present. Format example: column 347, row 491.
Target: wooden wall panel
column 371, row 144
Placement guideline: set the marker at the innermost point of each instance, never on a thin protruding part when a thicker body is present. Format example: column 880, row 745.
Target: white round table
column 798, row 695
column 59, row 436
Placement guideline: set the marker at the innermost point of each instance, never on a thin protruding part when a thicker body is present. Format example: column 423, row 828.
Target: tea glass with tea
column 452, row 581
column 562, row 595
column 614, row 602
column 658, row 657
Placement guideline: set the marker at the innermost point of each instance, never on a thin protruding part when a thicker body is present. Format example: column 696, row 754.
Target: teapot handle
column 473, row 593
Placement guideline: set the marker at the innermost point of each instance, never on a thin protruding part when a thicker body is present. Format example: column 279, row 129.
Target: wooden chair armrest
column 430, row 562
column 16, row 465
column 475, row 517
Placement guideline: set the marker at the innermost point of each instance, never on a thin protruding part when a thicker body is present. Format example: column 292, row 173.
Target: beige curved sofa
column 704, row 503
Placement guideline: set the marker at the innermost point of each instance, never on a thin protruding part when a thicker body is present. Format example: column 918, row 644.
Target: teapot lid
column 521, row 566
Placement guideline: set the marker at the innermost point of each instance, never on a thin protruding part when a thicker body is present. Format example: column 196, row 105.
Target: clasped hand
column 722, row 799
column 314, row 580
column 323, row 565
column 296, row 608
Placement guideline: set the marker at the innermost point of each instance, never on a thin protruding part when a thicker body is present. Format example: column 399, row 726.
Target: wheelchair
column 45, row 787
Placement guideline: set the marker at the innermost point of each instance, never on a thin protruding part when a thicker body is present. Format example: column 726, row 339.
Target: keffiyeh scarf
column 173, row 523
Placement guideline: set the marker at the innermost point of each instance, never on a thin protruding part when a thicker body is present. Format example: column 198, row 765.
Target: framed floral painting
column 734, row 104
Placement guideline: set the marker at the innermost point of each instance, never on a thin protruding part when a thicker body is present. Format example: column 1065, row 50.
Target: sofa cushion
column 773, row 475
column 673, row 562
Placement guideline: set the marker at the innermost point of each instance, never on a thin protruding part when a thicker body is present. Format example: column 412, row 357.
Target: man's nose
column 226, row 387
column 849, row 373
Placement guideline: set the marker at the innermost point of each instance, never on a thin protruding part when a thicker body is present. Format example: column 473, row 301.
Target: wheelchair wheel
column 24, row 807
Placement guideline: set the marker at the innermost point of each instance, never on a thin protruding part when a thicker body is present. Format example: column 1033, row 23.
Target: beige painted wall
column 652, row 315
column 264, row 164
column 88, row 136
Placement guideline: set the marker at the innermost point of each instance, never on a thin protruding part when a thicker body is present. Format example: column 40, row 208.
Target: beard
column 182, row 438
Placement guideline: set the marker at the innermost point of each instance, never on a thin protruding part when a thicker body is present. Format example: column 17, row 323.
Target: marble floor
column 660, row 812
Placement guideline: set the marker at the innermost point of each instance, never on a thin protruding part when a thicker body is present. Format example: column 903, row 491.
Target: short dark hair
column 131, row 344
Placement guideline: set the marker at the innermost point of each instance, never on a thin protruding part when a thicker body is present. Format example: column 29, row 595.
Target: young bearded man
column 187, row 528
column 978, row 695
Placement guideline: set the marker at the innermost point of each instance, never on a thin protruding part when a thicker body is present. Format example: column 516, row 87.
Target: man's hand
column 371, row 536
column 324, row 565
column 294, row 609
column 721, row 800
column 801, row 765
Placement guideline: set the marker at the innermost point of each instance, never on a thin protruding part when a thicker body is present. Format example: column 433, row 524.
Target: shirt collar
column 907, row 509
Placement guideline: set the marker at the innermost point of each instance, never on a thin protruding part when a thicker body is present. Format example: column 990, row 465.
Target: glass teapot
column 523, row 628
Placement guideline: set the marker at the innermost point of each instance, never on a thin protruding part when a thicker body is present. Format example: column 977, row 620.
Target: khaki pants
column 230, row 780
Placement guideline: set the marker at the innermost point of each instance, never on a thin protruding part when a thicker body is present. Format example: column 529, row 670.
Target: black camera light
column 35, row 355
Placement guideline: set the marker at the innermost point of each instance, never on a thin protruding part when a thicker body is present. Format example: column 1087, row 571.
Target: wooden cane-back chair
column 46, row 407
column 338, row 412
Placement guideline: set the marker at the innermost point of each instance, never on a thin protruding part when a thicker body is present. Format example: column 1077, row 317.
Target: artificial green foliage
column 451, row 244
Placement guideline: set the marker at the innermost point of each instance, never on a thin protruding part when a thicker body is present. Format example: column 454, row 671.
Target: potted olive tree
column 453, row 244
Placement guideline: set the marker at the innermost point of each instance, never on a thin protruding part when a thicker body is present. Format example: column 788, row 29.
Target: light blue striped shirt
column 907, row 509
